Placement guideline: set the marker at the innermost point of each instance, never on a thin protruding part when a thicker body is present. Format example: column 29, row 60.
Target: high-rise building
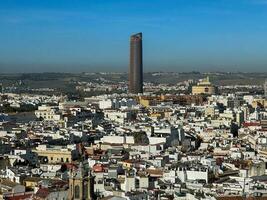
column 265, row 89
column 136, row 64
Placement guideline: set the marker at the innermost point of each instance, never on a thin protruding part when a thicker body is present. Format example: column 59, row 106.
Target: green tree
column 141, row 138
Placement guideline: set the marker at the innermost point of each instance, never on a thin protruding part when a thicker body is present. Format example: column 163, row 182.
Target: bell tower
column 81, row 184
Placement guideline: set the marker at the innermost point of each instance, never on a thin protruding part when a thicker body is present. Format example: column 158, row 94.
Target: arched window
column 77, row 192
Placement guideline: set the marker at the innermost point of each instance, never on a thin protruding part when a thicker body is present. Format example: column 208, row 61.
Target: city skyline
column 125, row 100
column 181, row 36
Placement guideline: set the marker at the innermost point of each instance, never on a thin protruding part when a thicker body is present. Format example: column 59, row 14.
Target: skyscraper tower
column 265, row 89
column 1, row 88
column 136, row 64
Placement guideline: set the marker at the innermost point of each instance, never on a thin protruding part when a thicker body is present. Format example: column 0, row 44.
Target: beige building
column 211, row 111
column 204, row 87
column 31, row 182
column 55, row 154
column 47, row 113
column 259, row 103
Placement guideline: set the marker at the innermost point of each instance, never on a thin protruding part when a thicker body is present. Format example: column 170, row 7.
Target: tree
column 141, row 138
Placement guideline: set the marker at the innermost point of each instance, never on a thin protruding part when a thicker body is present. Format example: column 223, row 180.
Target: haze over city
column 178, row 35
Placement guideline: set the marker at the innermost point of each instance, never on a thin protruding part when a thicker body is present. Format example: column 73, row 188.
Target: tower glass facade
column 136, row 64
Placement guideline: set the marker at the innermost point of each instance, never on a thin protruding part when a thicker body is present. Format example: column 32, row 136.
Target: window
column 77, row 192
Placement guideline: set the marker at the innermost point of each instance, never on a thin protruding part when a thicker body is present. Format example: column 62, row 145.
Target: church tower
column 81, row 184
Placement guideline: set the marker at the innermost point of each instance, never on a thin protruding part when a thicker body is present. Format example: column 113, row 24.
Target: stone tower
column 81, row 184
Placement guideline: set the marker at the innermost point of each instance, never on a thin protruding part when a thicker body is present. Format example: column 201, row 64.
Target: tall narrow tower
column 1, row 88
column 136, row 64
column 265, row 89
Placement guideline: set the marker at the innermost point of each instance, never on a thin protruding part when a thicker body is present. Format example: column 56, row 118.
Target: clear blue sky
column 93, row 35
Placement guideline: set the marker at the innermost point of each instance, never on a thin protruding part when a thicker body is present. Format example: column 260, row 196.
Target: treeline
column 43, row 76
column 23, row 108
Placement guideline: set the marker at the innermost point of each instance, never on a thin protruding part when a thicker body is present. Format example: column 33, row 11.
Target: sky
column 93, row 35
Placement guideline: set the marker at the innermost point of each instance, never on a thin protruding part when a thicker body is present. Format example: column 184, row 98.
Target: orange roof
column 98, row 167
column 155, row 172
